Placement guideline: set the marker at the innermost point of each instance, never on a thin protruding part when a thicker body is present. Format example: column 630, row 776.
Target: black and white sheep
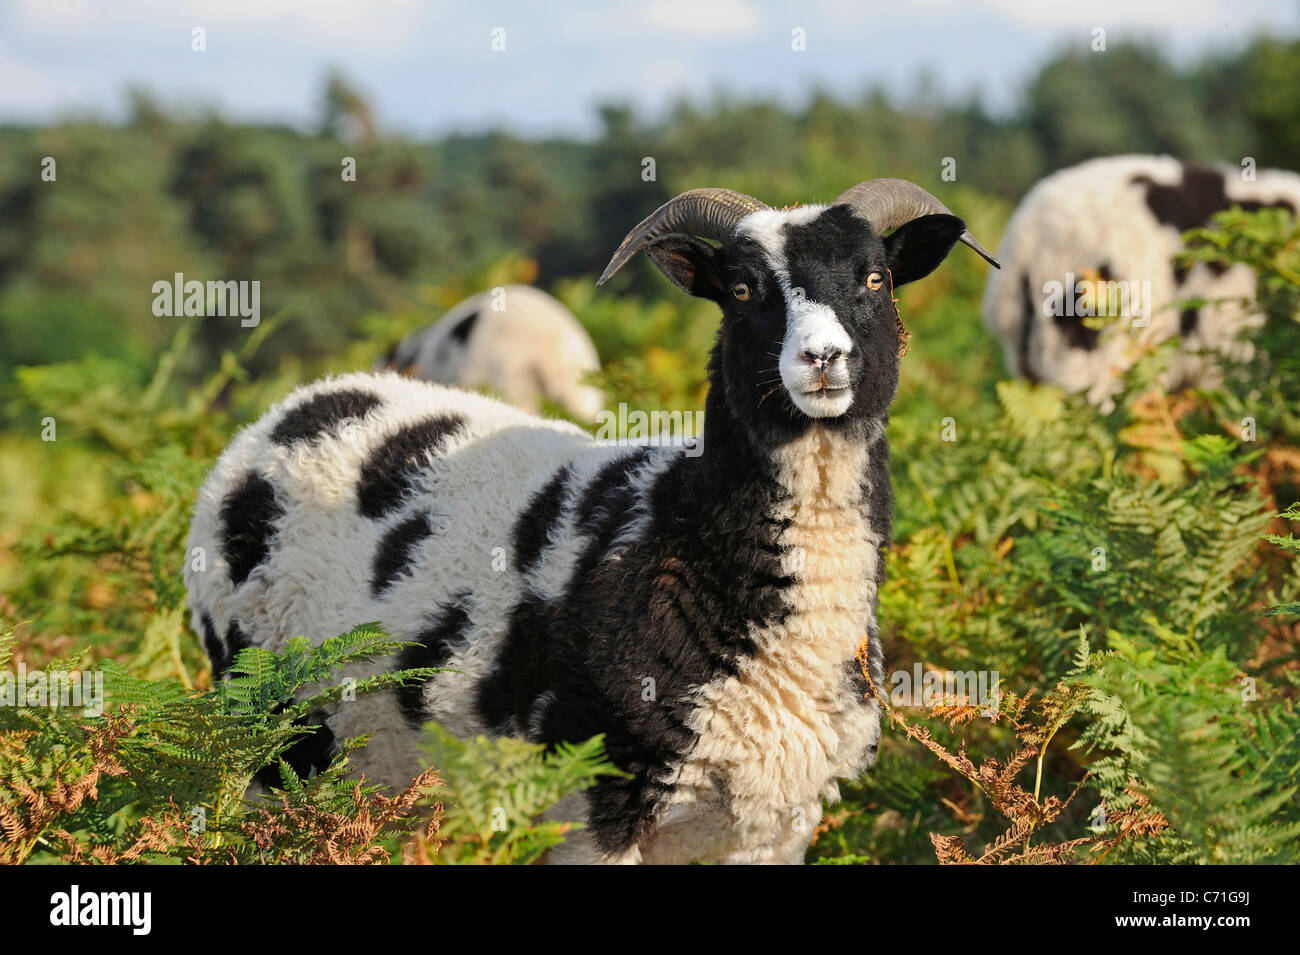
column 515, row 340
column 1115, row 224
column 702, row 611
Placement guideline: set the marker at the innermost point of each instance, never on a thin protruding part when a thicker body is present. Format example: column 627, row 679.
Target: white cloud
column 712, row 19
column 19, row 86
column 375, row 26
column 1173, row 18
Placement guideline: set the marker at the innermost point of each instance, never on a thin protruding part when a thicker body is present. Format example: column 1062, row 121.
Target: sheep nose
column 821, row 357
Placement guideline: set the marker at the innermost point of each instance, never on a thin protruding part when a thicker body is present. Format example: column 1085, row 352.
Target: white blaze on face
column 816, row 346
column 813, row 359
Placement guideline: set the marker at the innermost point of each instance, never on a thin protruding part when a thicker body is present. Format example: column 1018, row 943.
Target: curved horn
column 888, row 203
column 707, row 213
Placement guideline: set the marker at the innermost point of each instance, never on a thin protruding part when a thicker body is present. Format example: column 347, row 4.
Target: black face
column 809, row 330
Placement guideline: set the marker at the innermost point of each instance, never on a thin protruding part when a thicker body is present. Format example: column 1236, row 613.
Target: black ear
column 916, row 248
column 690, row 263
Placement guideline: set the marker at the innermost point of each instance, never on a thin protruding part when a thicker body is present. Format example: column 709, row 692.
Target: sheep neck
column 773, row 737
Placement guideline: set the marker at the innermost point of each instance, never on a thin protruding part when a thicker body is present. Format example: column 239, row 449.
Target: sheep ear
column 689, row 263
column 916, row 248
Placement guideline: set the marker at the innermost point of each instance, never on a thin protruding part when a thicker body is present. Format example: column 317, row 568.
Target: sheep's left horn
column 706, row 213
column 888, row 203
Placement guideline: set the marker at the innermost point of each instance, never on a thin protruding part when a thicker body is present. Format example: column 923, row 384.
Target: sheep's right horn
column 707, row 213
column 888, row 203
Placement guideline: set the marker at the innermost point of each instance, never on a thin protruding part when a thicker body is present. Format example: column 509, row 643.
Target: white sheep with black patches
column 705, row 612
column 514, row 340
column 1121, row 219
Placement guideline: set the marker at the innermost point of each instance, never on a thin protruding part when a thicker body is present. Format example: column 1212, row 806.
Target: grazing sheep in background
column 517, row 341
column 702, row 612
column 1120, row 220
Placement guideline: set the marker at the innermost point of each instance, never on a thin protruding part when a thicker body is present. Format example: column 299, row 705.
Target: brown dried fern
column 1024, row 811
column 321, row 837
column 26, row 811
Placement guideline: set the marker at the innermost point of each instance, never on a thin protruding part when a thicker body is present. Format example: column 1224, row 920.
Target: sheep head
column 810, row 331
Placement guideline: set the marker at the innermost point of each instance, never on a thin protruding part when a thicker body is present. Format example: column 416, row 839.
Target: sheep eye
column 874, row 281
column 741, row 291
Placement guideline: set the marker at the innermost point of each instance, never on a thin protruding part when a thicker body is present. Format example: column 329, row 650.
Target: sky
column 429, row 67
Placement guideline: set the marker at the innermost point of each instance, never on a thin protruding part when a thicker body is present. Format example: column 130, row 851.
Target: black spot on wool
column 533, row 527
column 396, row 550
column 387, row 474
column 430, row 648
column 222, row 655
column 212, row 646
column 460, row 331
column 236, row 639
column 308, row 754
column 1026, row 327
column 248, row 516
column 608, row 491
column 1188, row 319
column 1073, row 329
column 1198, row 196
column 322, row 414
column 522, row 671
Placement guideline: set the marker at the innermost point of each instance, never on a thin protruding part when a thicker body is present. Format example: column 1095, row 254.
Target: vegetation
column 1133, row 578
